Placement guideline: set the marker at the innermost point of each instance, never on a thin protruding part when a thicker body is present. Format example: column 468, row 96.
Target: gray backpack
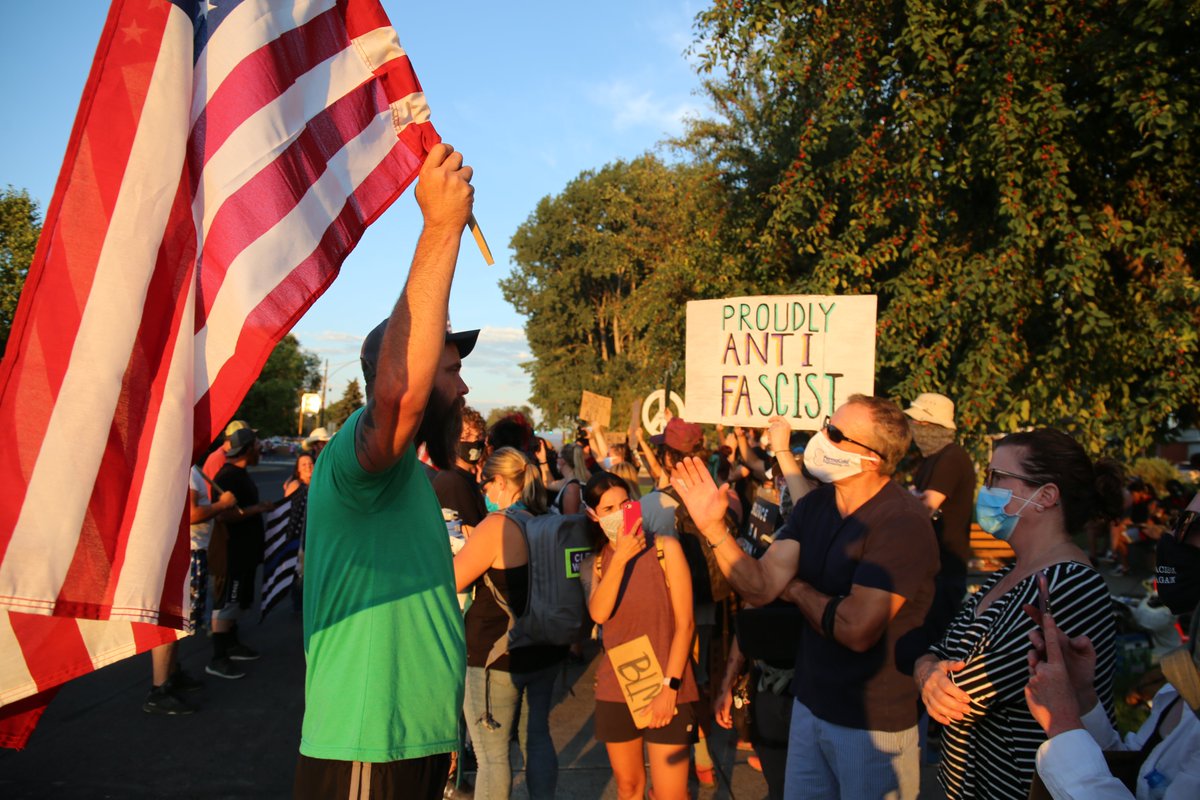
column 557, row 610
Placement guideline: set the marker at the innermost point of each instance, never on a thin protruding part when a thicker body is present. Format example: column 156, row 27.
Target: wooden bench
column 988, row 554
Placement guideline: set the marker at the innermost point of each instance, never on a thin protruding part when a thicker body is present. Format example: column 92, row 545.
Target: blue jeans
column 523, row 699
column 833, row 762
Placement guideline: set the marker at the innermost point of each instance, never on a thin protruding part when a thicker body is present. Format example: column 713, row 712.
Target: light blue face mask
column 990, row 513
column 491, row 507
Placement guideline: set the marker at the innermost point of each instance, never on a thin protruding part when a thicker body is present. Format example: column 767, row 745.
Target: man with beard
column 945, row 484
column 383, row 635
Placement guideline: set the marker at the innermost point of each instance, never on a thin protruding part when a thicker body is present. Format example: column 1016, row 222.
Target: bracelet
column 718, row 544
column 830, row 615
column 543, row 463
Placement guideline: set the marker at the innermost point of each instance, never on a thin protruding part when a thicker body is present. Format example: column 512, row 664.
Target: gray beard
column 931, row 439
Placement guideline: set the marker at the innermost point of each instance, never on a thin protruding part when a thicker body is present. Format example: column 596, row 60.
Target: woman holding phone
column 637, row 588
column 1041, row 489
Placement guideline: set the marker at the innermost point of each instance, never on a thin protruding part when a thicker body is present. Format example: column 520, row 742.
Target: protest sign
column 764, row 518
column 639, row 676
column 654, row 410
column 798, row 356
column 595, row 408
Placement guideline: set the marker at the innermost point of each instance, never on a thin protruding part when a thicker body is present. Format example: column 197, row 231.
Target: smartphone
column 1043, row 593
column 632, row 509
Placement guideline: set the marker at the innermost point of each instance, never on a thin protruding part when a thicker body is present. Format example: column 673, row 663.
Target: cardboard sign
column 596, row 409
column 798, row 356
column 639, row 676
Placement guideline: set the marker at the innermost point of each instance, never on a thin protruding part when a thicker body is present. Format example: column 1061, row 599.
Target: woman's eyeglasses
column 992, row 473
column 837, row 437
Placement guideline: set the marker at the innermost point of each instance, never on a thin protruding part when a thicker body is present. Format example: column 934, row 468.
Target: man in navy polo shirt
column 857, row 556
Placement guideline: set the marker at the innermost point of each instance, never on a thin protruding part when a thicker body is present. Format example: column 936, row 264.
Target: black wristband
column 830, row 615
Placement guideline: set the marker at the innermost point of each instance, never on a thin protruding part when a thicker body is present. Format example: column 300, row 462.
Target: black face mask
column 1178, row 572
column 470, row 451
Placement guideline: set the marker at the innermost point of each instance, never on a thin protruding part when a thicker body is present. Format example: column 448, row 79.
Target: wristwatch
column 672, row 683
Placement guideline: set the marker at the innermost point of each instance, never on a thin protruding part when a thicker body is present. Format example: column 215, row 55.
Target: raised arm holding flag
column 225, row 160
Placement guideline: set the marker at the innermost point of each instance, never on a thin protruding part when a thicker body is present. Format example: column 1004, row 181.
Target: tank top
column 486, row 620
column 643, row 607
column 556, row 507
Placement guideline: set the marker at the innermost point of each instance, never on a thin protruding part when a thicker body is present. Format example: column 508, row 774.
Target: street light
column 310, row 403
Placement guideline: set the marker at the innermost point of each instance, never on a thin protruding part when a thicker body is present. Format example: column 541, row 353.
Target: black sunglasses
column 837, row 437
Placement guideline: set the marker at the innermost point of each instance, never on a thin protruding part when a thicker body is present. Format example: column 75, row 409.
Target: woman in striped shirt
column 1041, row 490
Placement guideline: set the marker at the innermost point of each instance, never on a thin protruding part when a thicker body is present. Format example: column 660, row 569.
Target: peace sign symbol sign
column 655, row 413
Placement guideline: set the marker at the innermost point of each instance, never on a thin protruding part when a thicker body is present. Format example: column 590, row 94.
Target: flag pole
column 482, row 242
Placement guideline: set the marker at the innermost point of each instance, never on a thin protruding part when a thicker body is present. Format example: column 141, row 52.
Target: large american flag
column 226, row 157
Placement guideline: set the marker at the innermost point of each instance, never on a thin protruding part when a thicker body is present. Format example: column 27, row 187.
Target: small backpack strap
column 500, row 646
column 658, row 550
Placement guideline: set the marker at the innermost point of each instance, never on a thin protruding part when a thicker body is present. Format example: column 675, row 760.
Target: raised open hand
column 705, row 501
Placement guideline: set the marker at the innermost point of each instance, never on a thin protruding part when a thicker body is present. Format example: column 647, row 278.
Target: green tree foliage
column 602, row 273
column 273, row 403
column 352, row 399
column 1016, row 181
column 20, row 226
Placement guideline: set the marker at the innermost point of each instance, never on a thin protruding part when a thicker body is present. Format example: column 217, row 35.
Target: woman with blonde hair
column 572, row 465
column 511, row 688
column 628, row 473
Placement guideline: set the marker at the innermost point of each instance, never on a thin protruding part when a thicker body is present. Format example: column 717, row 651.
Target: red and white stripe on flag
column 225, row 160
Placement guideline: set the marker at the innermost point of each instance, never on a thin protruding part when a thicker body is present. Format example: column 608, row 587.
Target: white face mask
column 828, row 463
column 611, row 524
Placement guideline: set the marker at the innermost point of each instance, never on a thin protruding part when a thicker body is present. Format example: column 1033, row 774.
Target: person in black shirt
column 945, row 484
column 243, row 548
column 857, row 556
column 456, row 488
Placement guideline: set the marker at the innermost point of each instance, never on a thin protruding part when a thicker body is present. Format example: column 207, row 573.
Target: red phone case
column 633, row 512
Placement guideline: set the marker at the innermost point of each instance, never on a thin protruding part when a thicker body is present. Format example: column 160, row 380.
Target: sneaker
column 182, row 682
column 239, row 652
column 162, row 701
column 224, row 668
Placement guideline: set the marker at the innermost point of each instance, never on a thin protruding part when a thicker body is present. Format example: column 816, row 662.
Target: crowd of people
column 816, row 581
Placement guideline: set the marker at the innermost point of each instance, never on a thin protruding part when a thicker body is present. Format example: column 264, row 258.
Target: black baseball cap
column 369, row 355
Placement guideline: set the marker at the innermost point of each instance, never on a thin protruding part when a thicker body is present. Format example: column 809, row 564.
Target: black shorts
column 417, row 778
column 236, row 591
column 614, row 724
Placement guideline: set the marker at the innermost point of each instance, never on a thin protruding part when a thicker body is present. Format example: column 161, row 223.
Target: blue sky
column 532, row 93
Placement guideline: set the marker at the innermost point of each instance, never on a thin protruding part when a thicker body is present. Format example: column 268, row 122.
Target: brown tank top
column 643, row 607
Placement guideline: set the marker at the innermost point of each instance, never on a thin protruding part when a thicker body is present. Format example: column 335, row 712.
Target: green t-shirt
column 383, row 635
